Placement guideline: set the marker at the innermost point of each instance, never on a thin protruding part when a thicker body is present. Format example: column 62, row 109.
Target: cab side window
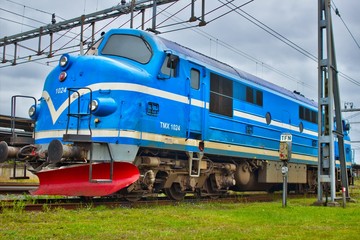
column 195, row 78
column 170, row 66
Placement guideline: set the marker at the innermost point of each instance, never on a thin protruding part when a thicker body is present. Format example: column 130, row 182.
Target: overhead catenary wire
column 272, row 32
column 171, row 16
column 223, row 43
column 16, row 22
column 231, row 10
column 278, row 36
column 68, row 41
column 238, row 10
column 29, row 18
column 20, row 15
column 35, row 9
column 75, row 34
column 213, row 10
column 235, row 50
column 157, row 14
column 289, row 42
column 30, row 26
column 337, row 12
column 35, row 20
column 170, row 5
column 56, row 50
column 72, row 38
column 27, row 59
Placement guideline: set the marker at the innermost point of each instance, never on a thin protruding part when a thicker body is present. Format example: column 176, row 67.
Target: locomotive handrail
column 13, row 117
column 14, row 140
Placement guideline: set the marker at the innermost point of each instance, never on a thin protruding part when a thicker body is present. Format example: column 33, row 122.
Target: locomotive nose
column 87, row 180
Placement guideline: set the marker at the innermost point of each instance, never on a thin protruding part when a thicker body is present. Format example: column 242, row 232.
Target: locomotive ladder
column 195, row 163
column 75, row 94
column 92, row 162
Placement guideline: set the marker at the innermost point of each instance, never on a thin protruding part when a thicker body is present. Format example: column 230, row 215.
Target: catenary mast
column 330, row 127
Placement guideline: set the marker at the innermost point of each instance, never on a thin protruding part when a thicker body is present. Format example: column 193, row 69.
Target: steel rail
column 79, row 203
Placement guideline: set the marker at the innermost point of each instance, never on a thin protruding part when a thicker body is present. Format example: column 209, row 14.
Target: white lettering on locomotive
column 170, row 126
column 60, row 90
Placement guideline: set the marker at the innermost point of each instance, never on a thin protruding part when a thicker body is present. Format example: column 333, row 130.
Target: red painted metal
column 74, row 180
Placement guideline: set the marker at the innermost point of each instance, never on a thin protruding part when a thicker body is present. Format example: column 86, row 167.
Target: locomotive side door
column 197, row 105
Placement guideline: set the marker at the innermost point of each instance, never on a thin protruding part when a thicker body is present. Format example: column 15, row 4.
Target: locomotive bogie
column 175, row 177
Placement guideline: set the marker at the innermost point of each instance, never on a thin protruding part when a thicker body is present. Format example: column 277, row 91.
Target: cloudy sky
column 230, row 38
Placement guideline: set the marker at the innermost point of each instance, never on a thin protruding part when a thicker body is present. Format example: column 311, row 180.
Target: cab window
column 169, row 66
column 195, row 78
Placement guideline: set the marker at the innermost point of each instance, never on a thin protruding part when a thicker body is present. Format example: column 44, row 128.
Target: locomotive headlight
column 33, row 111
column 94, row 105
column 103, row 106
column 63, row 61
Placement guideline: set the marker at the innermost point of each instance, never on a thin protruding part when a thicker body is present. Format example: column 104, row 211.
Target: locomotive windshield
column 128, row 46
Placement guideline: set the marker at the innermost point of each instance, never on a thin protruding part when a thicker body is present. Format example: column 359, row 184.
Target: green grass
column 299, row 220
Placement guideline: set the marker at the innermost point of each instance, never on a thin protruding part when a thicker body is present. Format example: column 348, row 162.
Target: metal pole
column 4, row 50
column 202, row 22
column 284, row 171
column 92, row 33
column 132, row 13
column 15, row 53
column 39, row 45
column 154, row 15
column 326, row 164
column 142, row 19
column 320, row 107
column 330, row 80
column 192, row 17
column 329, row 107
column 51, row 45
column 82, row 19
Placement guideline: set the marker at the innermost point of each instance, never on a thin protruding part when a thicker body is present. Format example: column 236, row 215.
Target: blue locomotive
column 140, row 115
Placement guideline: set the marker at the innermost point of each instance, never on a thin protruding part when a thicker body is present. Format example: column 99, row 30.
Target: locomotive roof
column 234, row 71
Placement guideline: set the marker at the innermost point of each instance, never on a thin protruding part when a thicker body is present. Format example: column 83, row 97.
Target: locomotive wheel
column 133, row 197
column 174, row 192
column 211, row 192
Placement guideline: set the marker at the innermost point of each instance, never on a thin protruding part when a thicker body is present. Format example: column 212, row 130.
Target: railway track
column 78, row 203
column 17, row 188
